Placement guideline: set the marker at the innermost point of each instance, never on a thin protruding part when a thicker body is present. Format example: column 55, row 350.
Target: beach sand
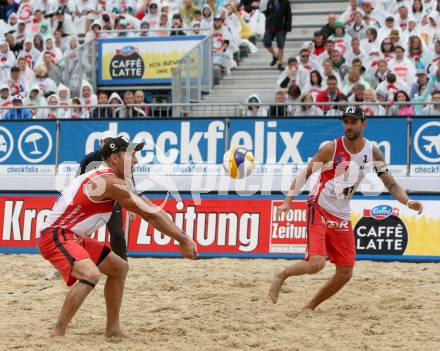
column 222, row 304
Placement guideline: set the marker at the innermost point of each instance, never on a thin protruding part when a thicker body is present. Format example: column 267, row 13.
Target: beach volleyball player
column 84, row 206
column 343, row 163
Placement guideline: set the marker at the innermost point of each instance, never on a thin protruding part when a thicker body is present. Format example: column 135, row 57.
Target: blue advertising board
column 28, row 147
column 281, row 141
column 425, row 153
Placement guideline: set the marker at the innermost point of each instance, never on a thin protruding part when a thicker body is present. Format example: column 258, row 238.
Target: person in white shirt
column 207, row 19
column 306, row 62
column 433, row 109
column 403, row 17
column 153, row 15
column 391, row 85
column 292, row 74
column 348, row 15
column 417, row 11
column 402, row 67
column 355, row 52
column 377, row 74
column 372, row 110
column 386, row 29
column 307, row 110
column 329, row 47
column 358, row 29
column 315, row 84
column 428, row 32
column 327, row 71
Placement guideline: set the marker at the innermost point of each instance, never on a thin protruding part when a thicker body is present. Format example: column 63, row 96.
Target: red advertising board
column 221, row 227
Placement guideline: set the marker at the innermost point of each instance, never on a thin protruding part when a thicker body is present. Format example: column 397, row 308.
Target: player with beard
column 343, row 163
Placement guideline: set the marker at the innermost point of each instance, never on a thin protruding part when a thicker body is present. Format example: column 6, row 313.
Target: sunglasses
column 304, row 56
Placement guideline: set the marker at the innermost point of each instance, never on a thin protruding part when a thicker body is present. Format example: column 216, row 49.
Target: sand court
column 222, row 304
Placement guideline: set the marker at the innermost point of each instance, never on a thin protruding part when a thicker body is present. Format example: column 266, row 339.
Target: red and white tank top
column 76, row 211
column 340, row 178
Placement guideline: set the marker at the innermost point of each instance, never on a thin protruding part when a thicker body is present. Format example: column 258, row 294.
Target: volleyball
column 238, row 162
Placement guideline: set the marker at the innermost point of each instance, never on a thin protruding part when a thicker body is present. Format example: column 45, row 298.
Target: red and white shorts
column 62, row 249
column 330, row 236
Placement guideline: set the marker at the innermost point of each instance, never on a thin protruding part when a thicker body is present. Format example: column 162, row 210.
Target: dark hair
column 102, row 92
column 330, row 41
column 197, row 12
column 382, row 47
column 421, row 9
column 374, row 31
column 319, row 77
column 404, row 93
column 304, row 50
column 332, row 77
column 355, row 60
column 435, row 92
column 391, row 78
column 294, row 91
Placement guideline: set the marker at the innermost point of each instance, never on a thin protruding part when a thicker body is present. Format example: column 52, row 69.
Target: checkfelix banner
column 128, row 61
column 274, row 142
column 232, row 226
column 28, row 148
column 425, row 155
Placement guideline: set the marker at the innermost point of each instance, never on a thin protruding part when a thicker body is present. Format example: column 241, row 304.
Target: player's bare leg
column 311, row 266
column 341, row 277
column 84, row 270
column 116, row 269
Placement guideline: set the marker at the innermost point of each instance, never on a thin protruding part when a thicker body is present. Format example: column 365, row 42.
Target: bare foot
column 115, row 334
column 57, row 333
column 275, row 287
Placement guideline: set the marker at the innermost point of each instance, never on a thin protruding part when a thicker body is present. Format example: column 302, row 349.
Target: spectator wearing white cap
column 29, row 53
column 207, row 19
column 94, row 32
column 63, row 94
column 7, row 60
column 35, row 99
column 402, row 66
column 153, row 15
column 5, row 98
column 18, row 112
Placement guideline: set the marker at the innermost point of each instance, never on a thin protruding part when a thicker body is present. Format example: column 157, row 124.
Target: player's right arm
column 323, row 156
column 116, row 189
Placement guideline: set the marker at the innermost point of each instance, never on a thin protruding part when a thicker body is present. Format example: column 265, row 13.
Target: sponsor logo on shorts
column 338, row 225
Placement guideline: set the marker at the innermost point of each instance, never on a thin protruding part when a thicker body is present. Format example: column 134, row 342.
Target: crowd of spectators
column 384, row 52
column 36, row 35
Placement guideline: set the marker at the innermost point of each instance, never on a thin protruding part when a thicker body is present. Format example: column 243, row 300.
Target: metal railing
column 192, row 76
column 192, row 110
column 79, row 65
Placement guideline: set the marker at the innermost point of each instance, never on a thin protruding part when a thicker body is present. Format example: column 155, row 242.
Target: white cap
column 108, row 134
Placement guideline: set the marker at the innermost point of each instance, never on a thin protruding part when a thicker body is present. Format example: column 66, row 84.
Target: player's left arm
column 396, row 190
